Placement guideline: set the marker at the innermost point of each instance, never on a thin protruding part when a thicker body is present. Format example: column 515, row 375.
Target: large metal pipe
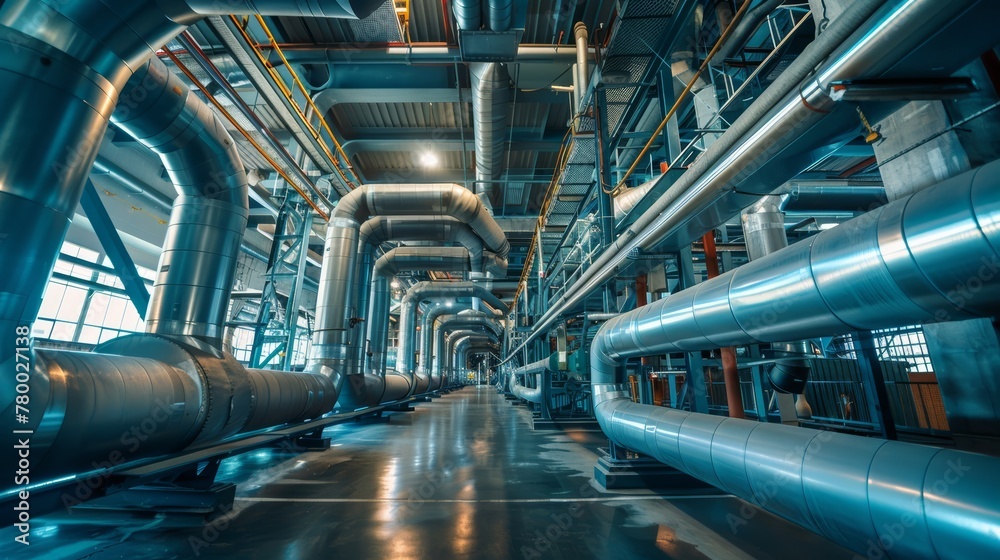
column 427, row 340
column 933, row 256
column 581, row 71
column 450, row 364
column 330, row 341
column 463, row 320
column 501, row 14
column 462, row 346
column 373, row 233
column 468, row 14
column 311, row 53
column 198, row 263
column 443, row 259
column 752, row 20
column 865, row 40
column 530, row 394
column 490, row 102
column 406, row 357
column 67, row 69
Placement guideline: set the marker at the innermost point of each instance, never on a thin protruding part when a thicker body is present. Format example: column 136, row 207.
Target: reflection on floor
column 462, row 477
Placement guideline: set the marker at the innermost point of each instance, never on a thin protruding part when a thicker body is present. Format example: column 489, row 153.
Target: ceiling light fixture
column 428, row 159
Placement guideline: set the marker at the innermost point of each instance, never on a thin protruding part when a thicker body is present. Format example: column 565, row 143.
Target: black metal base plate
column 568, row 424
column 645, row 472
column 308, row 443
column 180, row 506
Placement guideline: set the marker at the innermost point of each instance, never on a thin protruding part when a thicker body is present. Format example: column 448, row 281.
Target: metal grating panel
column 380, row 27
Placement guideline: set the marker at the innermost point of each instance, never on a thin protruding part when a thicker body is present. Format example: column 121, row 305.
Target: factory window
column 75, row 308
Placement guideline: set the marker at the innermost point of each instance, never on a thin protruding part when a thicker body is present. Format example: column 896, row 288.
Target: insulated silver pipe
column 198, row 263
column 530, row 394
column 67, row 68
column 450, row 365
column 446, row 259
column 490, row 102
column 463, row 347
column 468, row 14
column 501, row 14
column 582, row 75
column 427, row 332
column 342, row 9
column 406, row 358
column 929, row 257
column 330, row 341
column 464, row 320
column 626, row 201
column 417, row 228
column 865, row 40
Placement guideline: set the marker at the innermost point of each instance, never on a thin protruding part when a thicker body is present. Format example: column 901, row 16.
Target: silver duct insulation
column 530, row 394
column 427, row 332
column 501, row 14
column 281, row 397
column 468, row 14
column 581, row 74
column 93, row 393
column 830, row 196
column 450, row 259
column 198, row 263
column 450, row 364
column 626, row 200
column 490, row 101
column 67, row 67
column 465, row 346
column 341, row 9
column 865, row 40
column 406, row 358
column 464, row 320
column 384, row 228
column 752, row 20
column 444, row 259
column 764, row 228
column 330, row 337
column 909, row 262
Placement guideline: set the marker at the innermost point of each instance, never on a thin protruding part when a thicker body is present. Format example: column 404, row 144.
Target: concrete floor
column 462, row 477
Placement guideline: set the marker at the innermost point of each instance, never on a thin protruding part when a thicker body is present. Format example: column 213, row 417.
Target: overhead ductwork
column 490, row 102
column 198, row 263
column 428, row 340
column 380, row 229
column 912, row 261
column 441, row 259
column 450, row 364
column 333, row 317
column 501, row 14
column 865, row 40
column 468, row 14
column 464, row 320
column 745, row 29
column 627, row 199
column 406, row 358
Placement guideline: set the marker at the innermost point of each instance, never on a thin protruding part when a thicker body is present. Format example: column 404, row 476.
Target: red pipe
column 730, row 373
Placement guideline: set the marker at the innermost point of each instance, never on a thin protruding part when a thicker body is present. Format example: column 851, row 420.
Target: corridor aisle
column 463, row 476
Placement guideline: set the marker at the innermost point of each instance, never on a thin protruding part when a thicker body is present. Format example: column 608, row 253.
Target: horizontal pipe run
column 912, row 261
column 854, row 45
